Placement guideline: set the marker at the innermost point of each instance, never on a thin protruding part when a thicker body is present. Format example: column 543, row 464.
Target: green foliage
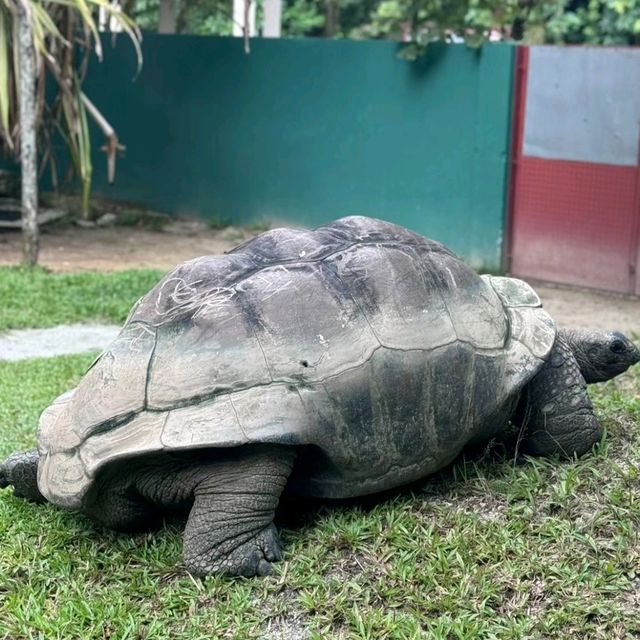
column 259, row 225
column 199, row 17
column 423, row 21
column 608, row 22
column 475, row 21
column 218, row 222
column 64, row 34
column 302, row 18
column 33, row 297
column 205, row 17
column 142, row 219
column 144, row 12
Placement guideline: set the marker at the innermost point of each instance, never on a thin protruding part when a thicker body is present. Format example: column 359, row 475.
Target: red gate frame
column 634, row 252
column 521, row 73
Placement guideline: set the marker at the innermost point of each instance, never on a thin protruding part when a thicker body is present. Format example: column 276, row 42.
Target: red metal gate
column 575, row 182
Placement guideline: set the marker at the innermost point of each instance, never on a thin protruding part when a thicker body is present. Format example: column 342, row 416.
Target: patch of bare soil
column 117, row 248
column 71, row 248
column 585, row 309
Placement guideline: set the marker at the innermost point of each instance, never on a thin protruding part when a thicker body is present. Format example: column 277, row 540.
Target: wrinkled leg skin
column 230, row 528
column 556, row 415
column 20, row 470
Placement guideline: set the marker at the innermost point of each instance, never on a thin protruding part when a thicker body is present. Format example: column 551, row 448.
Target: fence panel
column 575, row 212
column 303, row 131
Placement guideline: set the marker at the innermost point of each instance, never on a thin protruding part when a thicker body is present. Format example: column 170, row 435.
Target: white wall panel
column 583, row 103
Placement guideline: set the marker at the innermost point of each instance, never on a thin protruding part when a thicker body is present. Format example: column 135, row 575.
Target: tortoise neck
column 576, row 340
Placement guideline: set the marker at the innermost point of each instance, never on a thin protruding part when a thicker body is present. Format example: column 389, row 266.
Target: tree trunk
column 28, row 151
column 244, row 18
column 331, row 18
column 168, row 16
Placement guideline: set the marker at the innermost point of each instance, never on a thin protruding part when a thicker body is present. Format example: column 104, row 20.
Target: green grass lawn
column 37, row 298
column 486, row 549
column 489, row 548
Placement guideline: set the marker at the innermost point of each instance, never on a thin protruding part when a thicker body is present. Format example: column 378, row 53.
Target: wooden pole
column 28, row 151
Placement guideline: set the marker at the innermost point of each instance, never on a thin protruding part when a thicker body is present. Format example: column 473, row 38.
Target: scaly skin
column 231, row 504
column 556, row 413
column 20, row 469
column 230, row 528
column 600, row 355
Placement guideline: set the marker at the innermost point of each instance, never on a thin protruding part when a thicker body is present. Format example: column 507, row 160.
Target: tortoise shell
column 379, row 353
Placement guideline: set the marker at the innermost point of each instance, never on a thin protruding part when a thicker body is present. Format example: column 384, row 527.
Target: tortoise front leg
column 230, row 528
column 555, row 413
column 20, row 469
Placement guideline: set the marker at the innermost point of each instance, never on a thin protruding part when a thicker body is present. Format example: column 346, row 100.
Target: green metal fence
column 304, row 131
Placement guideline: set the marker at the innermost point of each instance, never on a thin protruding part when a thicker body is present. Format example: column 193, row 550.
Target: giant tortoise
column 336, row 362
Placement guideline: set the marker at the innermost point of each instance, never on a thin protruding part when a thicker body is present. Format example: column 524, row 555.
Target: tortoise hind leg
column 230, row 528
column 20, row 469
column 119, row 505
column 556, row 414
column 232, row 501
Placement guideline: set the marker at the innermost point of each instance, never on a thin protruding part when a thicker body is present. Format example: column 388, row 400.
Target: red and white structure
column 575, row 180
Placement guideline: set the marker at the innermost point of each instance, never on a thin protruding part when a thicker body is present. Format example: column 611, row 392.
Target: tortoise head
column 601, row 355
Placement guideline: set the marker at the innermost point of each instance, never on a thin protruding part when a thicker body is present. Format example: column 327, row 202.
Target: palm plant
column 63, row 34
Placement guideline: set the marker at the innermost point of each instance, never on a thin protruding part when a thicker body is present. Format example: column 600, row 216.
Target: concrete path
column 57, row 341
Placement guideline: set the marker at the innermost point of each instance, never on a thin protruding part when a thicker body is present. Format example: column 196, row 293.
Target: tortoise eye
column 617, row 346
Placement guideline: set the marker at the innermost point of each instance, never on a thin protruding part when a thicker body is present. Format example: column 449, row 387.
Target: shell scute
column 376, row 347
column 214, row 351
column 115, row 385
